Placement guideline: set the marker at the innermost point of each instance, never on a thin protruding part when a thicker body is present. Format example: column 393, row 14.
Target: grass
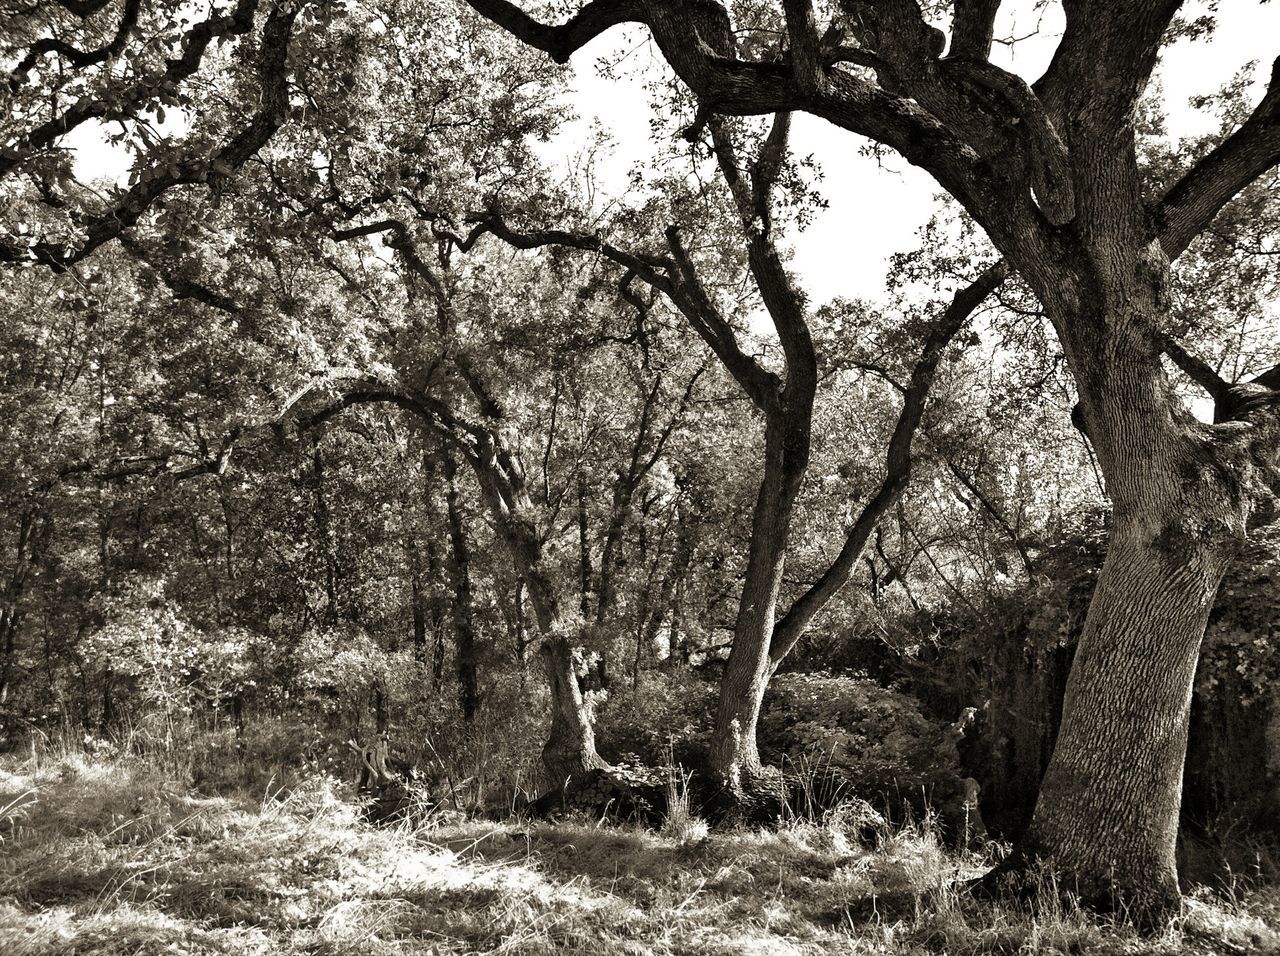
column 109, row 855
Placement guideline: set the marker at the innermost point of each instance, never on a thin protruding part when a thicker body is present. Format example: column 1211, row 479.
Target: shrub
column 874, row 736
column 666, row 717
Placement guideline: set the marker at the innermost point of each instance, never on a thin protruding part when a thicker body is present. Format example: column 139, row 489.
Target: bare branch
column 697, row 41
column 562, row 41
column 695, row 304
column 784, row 302
column 1198, row 370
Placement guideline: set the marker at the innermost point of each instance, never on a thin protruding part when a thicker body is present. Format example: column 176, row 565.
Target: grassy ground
column 110, row 856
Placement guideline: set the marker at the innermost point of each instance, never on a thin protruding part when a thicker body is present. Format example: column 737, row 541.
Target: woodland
column 423, row 532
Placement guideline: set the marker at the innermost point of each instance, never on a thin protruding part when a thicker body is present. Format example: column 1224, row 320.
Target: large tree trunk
column 1107, row 815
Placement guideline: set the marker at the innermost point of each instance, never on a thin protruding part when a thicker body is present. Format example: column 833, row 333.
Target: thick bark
column 569, row 754
column 1107, row 815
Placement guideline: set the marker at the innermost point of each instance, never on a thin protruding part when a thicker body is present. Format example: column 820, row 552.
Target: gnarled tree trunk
column 570, row 751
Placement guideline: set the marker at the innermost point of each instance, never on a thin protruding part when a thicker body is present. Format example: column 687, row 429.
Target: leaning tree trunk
column 1107, row 815
column 569, row 754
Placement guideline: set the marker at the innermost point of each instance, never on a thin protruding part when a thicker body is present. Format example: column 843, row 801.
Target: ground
column 109, row 855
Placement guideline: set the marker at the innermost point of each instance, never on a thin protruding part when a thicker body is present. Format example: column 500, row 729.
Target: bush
column 667, row 717
column 875, row 737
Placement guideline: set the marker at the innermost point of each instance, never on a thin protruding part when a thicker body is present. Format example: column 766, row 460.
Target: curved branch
column 783, row 301
column 676, row 277
column 696, row 40
column 562, row 41
column 182, row 286
column 196, row 42
column 1046, row 153
column 1193, row 201
column 270, row 116
column 792, row 625
column 77, row 58
column 1198, row 370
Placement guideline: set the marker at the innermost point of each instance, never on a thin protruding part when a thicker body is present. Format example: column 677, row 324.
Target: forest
column 639, row 476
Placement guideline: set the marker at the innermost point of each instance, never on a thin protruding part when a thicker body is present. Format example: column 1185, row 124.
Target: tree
column 1050, row 172
column 763, row 635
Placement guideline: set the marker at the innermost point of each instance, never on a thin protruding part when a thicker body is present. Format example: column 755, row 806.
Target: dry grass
column 109, row 857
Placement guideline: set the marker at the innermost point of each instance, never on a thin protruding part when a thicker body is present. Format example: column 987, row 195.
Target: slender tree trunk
column 518, row 628
column 570, row 750
column 678, row 574
column 108, row 716
column 735, row 757
column 584, row 548
column 324, row 527
column 430, row 608
column 418, row 601
column 460, row 575
column 10, row 617
column 379, row 710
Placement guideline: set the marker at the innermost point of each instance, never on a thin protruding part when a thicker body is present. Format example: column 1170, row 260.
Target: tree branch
column 973, row 28
column 195, row 42
column 1193, row 201
column 802, row 30
column 792, row 625
column 783, row 301
column 77, row 58
column 270, row 116
column 562, row 41
column 182, row 286
column 1198, row 370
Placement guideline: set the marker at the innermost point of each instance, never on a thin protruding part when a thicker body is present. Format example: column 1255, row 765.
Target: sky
column 875, row 208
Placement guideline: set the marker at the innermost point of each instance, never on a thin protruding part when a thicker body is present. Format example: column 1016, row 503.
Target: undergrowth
column 110, row 854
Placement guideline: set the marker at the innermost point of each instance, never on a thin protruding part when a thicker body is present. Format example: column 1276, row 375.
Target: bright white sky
column 875, row 209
